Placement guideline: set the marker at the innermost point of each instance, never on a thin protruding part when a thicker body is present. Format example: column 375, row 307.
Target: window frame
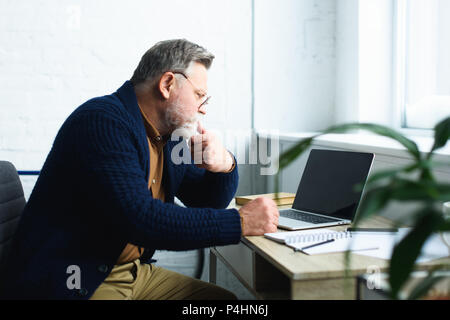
column 400, row 62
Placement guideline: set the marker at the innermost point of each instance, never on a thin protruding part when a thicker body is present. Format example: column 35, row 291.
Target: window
column 423, row 62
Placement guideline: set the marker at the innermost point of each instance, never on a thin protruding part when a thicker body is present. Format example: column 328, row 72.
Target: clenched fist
column 259, row 216
column 209, row 153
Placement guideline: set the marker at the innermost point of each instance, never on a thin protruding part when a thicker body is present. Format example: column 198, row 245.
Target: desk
column 274, row 271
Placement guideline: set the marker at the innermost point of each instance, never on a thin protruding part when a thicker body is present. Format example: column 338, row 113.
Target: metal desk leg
column 212, row 266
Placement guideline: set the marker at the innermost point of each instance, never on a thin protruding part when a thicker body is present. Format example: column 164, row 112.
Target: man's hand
column 259, row 216
column 209, row 153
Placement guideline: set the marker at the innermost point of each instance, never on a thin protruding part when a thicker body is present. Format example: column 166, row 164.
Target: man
column 103, row 202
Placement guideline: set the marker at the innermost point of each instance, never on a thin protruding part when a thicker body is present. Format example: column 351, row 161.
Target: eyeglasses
column 205, row 102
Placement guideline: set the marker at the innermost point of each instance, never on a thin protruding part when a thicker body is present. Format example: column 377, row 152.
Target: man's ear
column 166, row 84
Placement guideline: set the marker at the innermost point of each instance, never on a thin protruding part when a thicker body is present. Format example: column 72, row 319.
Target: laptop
column 326, row 195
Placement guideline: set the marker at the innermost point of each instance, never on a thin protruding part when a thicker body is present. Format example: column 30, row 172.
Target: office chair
column 12, row 202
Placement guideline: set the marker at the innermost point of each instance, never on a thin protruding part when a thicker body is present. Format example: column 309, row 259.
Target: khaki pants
column 136, row 281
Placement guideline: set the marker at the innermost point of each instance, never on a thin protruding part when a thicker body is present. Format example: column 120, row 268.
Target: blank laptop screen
column 328, row 182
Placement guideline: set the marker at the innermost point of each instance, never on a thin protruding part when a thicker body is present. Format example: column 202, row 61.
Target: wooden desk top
column 297, row 265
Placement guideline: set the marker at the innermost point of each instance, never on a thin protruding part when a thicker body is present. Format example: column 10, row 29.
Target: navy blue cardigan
column 92, row 198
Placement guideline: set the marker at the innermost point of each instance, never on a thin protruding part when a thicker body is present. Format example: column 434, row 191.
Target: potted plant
column 386, row 186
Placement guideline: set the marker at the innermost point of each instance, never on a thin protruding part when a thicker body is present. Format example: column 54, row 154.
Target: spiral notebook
column 324, row 241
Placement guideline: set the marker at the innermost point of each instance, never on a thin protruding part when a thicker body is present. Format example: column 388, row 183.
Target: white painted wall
column 55, row 54
column 294, row 64
column 347, row 97
column 364, row 62
column 375, row 61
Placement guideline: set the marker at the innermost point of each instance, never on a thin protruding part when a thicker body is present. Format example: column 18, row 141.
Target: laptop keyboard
column 303, row 216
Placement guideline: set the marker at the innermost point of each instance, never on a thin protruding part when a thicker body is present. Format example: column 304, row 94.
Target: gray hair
column 170, row 55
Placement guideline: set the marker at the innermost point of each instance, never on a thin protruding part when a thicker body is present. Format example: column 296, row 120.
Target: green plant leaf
column 445, row 225
column 410, row 145
column 424, row 286
column 394, row 173
column 444, row 191
column 390, row 173
column 426, row 175
column 406, row 190
column 292, row 153
column 374, row 200
column 422, row 190
column 378, row 196
column 441, row 134
column 405, row 253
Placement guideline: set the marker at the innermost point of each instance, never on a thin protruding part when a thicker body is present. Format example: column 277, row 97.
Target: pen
column 315, row 245
column 372, row 229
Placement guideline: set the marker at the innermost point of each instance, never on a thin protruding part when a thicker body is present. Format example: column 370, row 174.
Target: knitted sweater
column 92, row 198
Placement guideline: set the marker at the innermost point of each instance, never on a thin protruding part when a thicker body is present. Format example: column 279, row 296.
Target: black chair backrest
column 12, row 202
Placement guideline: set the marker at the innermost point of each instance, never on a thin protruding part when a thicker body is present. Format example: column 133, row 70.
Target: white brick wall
column 55, row 54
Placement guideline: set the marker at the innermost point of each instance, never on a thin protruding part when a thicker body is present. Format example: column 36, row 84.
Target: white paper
column 373, row 244
column 434, row 247
column 343, row 241
column 339, row 245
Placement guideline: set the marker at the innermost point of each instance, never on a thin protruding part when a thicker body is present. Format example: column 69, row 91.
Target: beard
column 179, row 123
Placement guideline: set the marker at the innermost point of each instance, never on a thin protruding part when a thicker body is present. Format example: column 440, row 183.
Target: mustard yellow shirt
column 156, row 144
